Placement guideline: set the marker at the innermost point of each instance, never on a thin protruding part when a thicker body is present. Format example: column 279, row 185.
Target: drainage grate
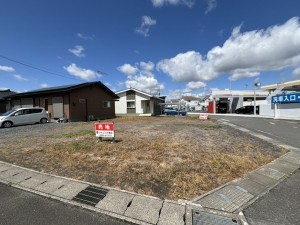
column 91, row 195
column 202, row 218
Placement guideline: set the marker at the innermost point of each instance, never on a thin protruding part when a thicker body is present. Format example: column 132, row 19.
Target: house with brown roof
column 77, row 102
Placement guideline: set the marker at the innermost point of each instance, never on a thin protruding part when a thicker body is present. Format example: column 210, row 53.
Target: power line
column 35, row 67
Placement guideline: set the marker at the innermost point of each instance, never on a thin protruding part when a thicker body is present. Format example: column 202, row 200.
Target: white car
column 23, row 116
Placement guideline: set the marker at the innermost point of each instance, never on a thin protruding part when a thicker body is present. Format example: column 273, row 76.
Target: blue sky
column 179, row 47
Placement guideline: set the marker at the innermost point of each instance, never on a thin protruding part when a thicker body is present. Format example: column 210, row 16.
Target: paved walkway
column 223, row 205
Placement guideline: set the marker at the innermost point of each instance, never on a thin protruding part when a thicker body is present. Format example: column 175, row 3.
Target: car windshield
column 8, row 112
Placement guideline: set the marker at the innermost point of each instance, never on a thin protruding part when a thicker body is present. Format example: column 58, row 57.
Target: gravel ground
column 168, row 157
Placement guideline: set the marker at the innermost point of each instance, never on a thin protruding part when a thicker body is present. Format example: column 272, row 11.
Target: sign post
column 105, row 130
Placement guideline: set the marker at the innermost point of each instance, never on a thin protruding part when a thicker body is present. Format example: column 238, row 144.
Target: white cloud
column 242, row 55
column 128, row 69
column 243, row 74
column 211, row 5
column 196, row 85
column 189, row 66
column 84, row 37
column 7, row 69
column 44, row 85
column 296, row 72
column 3, row 88
column 160, row 3
column 144, row 28
column 149, row 66
column 84, row 74
column 77, row 51
column 141, row 77
column 19, row 77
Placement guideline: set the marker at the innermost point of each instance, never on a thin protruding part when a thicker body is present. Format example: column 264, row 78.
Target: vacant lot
column 168, row 157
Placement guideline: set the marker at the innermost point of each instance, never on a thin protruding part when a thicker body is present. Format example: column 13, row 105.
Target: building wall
column 121, row 105
column 287, row 110
column 88, row 103
column 138, row 102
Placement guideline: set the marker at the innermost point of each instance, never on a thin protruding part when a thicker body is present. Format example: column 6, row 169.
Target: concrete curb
column 138, row 209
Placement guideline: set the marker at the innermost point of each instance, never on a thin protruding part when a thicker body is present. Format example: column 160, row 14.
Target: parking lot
column 168, row 157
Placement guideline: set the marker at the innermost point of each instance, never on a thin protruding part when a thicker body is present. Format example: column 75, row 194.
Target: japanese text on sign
column 287, row 98
column 105, row 130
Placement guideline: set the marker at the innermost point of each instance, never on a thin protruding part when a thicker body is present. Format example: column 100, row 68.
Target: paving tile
column 51, row 185
column 4, row 167
column 115, row 201
column 218, row 201
column 20, row 177
column 236, row 194
column 144, row 209
column 34, row 181
column 203, row 218
column 261, row 179
column 70, row 190
column 172, row 214
column 283, row 166
column 292, row 159
column 271, row 172
column 251, row 186
column 11, row 172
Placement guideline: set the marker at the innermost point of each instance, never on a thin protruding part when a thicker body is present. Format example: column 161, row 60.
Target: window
column 131, row 105
column 106, row 104
column 36, row 110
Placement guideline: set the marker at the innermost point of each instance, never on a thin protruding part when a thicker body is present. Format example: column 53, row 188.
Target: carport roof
column 64, row 88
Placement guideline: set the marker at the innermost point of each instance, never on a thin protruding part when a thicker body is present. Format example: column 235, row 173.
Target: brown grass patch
column 172, row 158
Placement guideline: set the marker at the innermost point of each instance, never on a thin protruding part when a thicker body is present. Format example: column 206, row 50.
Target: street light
column 256, row 84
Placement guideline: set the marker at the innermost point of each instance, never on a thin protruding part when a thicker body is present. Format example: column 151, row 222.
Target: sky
column 171, row 47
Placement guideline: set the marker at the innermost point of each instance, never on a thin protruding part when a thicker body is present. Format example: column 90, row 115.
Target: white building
column 237, row 98
column 281, row 110
column 136, row 102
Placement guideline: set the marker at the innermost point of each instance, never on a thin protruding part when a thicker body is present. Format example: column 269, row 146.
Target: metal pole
column 254, row 100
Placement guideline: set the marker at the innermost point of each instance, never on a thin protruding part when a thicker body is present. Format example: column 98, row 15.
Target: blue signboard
column 286, row 98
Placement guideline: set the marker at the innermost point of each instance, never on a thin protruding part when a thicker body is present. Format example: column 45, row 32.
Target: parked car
column 23, row 116
column 249, row 109
column 169, row 111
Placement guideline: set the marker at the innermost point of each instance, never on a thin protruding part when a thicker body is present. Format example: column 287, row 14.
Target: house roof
column 191, row 98
column 5, row 93
column 286, row 85
column 139, row 91
column 64, row 88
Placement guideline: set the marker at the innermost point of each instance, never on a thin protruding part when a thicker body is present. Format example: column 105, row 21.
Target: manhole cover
column 91, row 195
column 202, row 218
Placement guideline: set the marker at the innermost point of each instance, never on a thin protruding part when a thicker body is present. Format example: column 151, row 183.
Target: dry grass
column 173, row 158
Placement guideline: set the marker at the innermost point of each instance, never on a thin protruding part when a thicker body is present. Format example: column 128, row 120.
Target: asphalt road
column 286, row 131
column 280, row 206
column 19, row 207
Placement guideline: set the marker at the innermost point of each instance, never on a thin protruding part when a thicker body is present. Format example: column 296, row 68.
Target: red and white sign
column 203, row 117
column 105, row 130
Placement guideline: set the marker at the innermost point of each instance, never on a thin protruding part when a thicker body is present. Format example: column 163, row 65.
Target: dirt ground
column 167, row 157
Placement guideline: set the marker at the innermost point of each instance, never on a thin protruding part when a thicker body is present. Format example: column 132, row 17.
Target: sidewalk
column 223, row 205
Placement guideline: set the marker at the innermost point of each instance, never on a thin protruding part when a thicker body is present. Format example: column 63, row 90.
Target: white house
column 190, row 101
column 136, row 102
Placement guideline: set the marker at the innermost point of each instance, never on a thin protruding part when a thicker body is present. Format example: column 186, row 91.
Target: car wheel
column 44, row 120
column 7, row 124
